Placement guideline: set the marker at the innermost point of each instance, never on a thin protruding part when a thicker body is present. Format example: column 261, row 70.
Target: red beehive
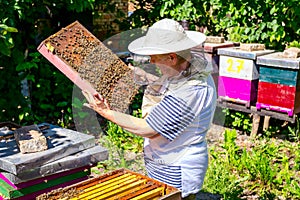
column 279, row 83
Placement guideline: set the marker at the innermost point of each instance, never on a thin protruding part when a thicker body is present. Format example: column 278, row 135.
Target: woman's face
column 165, row 63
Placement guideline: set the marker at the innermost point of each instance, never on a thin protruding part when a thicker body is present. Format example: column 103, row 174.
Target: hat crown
column 165, row 32
column 166, row 36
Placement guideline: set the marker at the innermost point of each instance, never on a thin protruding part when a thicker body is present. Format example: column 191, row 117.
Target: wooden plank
column 277, row 75
column 213, row 47
column 237, row 52
column 42, row 179
column 65, row 184
column 237, row 89
column 266, row 122
column 9, row 192
column 276, row 95
column 255, row 125
column 276, row 60
column 238, row 68
column 253, row 109
column 89, row 64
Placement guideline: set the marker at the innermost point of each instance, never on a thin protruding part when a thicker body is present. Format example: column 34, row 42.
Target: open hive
column 119, row 184
column 92, row 66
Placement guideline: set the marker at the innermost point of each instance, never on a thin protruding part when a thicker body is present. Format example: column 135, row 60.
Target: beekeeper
column 178, row 107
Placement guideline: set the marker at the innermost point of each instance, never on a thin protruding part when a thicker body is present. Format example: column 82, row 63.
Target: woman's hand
column 96, row 102
column 130, row 123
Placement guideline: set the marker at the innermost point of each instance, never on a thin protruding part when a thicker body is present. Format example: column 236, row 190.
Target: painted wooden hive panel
column 237, row 62
column 233, row 88
column 276, row 97
column 120, row 184
column 238, row 68
column 277, row 75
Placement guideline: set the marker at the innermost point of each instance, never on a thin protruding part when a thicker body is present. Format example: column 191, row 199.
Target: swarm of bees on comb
column 95, row 63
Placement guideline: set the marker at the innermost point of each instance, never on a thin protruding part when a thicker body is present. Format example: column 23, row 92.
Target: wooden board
column 238, row 68
column 284, row 76
column 213, row 47
column 277, row 60
column 277, row 97
column 61, row 142
column 234, row 89
column 119, row 184
column 89, row 64
column 7, row 191
column 238, row 53
column 252, row 109
column 88, row 157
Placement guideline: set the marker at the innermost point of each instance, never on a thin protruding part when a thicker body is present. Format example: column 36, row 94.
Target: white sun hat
column 166, row 36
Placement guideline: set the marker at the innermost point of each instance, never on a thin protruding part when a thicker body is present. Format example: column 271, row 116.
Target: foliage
column 146, row 13
column 273, row 23
column 266, row 169
column 238, row 120
column 38, row 92
column 120, row 143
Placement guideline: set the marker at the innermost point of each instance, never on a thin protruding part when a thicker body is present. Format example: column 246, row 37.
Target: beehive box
column 237, row 90
column 237, row 63
column 210, row 47
column 62, row 142
column 119, row 184
column 37, row 187
column 89, row 64
column 279, row 83
column 239, row 74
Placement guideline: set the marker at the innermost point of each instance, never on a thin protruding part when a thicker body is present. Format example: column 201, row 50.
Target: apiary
column 239, row 73
column 89, row 64
column 66, row 161
column 279, row 83
column 120, row 184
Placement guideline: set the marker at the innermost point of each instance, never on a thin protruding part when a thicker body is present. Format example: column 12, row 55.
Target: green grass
column 269, row 169
column 262, row 168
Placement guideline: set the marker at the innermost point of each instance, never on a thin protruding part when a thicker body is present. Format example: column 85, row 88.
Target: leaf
column 26, row 65
column 30, row 77
column 7, row 28
column 273, row 10
column 62, row 104
column 4, row 49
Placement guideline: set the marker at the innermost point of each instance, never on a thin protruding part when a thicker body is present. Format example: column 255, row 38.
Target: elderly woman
column 177, row 109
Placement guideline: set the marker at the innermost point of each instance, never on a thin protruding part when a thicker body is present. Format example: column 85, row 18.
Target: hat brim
column 193, row 39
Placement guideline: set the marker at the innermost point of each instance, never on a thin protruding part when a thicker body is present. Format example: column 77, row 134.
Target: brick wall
column 104, row 25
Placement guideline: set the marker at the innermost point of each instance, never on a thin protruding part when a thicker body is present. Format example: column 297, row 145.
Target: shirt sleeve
column 170, row 117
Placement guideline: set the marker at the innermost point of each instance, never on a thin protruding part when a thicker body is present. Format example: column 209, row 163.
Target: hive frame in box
column 117, row 184
column 90, row 65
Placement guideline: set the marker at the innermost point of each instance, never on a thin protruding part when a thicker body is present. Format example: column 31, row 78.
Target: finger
column 88, row 96
column 98, row 96
column 87, row 105
column 106, row 104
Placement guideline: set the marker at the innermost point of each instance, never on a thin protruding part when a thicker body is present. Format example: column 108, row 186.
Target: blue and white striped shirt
column 178, row 156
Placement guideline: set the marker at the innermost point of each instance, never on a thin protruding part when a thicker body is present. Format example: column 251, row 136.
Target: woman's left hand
column 96, row 102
